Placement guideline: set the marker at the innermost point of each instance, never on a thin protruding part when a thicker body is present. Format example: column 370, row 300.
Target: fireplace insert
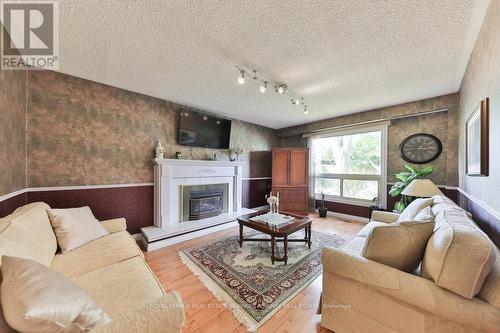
column 205, row 203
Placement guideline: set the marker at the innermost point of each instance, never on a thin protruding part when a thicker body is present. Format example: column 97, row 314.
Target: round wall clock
column 420, row 148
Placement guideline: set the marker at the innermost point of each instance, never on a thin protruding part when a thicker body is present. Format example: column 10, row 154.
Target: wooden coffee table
column 277, row 233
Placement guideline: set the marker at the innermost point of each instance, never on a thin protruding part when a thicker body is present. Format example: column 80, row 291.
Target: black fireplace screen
column 205, row 203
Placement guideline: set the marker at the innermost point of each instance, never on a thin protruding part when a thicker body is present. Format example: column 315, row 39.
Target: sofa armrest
column 115, row 225
column 352, row 265
column 411, row 289
column 165, row 314
column 382, row 216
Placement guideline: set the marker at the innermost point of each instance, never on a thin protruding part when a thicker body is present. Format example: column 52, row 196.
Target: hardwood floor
column 204, row 313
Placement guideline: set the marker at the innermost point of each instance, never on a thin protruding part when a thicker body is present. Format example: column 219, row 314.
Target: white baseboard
column 349, row 217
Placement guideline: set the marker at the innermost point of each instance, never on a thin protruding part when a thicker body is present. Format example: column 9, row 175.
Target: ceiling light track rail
column 279, row 88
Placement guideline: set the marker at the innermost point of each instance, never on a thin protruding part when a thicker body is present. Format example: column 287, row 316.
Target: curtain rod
column 422, row 113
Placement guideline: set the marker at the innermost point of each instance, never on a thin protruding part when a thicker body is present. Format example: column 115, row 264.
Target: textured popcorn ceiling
column 342, row 56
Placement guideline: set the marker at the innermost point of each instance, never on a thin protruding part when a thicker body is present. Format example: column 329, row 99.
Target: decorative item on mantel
column 159, row 150
column 178, row 155
column 322, row 210
column 236, row 151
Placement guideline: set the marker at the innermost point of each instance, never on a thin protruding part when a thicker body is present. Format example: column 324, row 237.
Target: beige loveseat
column 111, row 269
column 456, row 289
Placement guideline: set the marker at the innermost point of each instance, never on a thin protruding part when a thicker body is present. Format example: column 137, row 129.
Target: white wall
column 482, row 79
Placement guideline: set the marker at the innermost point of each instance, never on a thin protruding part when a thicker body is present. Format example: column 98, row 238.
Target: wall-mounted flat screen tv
column 203, row 130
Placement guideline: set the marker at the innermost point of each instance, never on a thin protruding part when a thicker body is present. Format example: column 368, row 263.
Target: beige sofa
column 460, row 290
column 111, row 269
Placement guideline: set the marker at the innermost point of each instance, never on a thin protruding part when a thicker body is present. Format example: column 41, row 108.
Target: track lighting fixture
column 241, row 78
column 279, row 88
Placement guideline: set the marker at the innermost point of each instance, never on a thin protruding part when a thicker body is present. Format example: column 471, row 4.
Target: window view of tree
column 348, row 154
column 328, row 186
column 343, row 165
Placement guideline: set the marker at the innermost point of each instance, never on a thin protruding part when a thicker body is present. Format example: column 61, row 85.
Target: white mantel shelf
column 171, row 161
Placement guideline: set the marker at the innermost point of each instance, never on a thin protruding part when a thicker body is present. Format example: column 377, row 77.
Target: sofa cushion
column 399, row 245
column 27, row 233
column 122, row 287
column 75, row 227
column 115, row 225
column 164, row 314
column 37, row 299
column 443, row 203
column 101, row 252
column 458, row 256
column 383, row 216
column 414, row 208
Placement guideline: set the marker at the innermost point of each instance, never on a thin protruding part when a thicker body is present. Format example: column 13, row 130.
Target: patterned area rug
column 246, row 281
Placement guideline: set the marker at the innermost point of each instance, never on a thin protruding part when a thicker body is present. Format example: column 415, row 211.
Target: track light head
column 264, row 87
column 281, row 89
column 254, row 74
column 241, row 78
column 306, row 109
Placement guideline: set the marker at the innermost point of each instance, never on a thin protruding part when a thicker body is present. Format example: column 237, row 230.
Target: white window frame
column 382, row 178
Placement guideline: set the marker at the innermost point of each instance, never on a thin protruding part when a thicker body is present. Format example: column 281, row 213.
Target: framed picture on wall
column 477, row 141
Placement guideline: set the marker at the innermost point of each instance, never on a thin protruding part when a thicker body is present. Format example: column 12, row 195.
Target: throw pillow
column 75, row 227
column 414, row 208
column 401, row 245
column 38, row 299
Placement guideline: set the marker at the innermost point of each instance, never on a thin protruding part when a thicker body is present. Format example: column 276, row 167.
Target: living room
column 226, row 166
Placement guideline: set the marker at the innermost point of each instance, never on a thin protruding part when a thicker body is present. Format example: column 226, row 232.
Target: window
column 350, row 166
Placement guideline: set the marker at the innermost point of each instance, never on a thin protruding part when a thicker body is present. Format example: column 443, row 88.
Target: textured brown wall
column 481, row 80
column 82, row 133
column 442, row 125
column 12, row 131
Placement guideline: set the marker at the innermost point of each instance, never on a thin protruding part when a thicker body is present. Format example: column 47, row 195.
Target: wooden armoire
column 290, row 179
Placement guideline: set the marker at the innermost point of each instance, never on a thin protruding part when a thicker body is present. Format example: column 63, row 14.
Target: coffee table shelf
column 278, row 233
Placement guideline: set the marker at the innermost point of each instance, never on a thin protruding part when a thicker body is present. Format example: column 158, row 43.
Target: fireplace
column 175, row 181
column 203, row 204
column 203, row 201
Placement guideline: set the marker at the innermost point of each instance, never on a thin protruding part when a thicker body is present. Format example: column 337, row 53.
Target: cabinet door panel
column 292, row 199
column 298, row 168
column 281, row 159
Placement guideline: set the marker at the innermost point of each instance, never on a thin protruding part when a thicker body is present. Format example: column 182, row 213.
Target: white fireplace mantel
column 172, row 174
column 170, row 177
